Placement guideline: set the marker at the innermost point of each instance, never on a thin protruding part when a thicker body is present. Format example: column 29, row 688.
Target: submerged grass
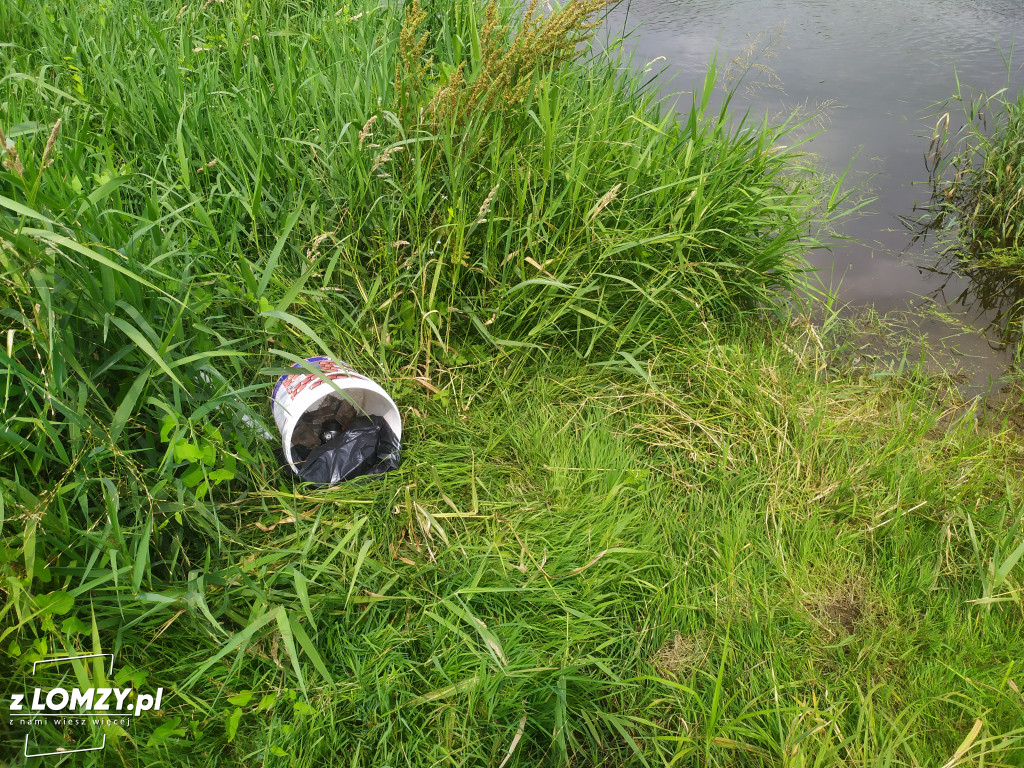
column 634, row 525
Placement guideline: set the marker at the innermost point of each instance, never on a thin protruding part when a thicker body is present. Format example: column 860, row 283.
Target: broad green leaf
column 193, row 476
column 233, row 719
column 184, row 451
column 54, row 602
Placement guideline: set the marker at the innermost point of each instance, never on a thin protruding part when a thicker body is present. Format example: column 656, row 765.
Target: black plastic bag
column 367, row 446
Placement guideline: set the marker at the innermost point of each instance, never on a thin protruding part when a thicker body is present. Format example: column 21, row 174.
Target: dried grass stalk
column 507, row 66
column 481, row 215
column 365, row 132
column 604, row 202
column 11, row 160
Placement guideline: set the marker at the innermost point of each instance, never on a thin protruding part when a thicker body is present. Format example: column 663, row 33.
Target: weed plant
column 979, row 184
column 631, row 528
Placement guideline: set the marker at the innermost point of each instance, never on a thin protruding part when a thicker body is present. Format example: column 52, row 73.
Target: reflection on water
column 880, row 66
column 990, row 293
column 983, row 292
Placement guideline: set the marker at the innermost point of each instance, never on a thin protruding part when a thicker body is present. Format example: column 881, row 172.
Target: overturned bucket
column 296, row 394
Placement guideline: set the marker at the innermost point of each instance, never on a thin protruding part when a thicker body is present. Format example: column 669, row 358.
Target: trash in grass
column 322, row 423
column 366, row 447
column 335, row 430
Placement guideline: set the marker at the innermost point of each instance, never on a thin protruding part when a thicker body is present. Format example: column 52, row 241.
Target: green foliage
column 629, row 530
column 980, row 183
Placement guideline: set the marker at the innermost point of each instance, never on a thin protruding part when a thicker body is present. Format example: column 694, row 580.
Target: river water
column 874, row 69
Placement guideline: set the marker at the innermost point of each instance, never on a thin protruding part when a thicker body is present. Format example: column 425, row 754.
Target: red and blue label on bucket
column 295, row 383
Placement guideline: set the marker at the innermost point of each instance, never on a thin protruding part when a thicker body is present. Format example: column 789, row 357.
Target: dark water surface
column 878, row 66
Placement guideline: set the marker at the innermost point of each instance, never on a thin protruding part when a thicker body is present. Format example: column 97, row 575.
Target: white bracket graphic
column 62, row 751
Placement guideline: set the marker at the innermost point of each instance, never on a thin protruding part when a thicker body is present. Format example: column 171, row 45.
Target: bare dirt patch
column 842, row 609
column 679, row 653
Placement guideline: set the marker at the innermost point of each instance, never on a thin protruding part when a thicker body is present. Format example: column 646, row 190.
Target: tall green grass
column 279, row 125
column 228, row 177
column 630, row 529
column 977, row 176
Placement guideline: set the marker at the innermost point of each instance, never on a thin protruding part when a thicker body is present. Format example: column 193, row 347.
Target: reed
column 977, row 178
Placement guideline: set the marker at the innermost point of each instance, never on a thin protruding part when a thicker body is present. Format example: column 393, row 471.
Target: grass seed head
column 505, row 71
column 411, row 70
column 385, row 157
column 365, row 132
column 486, row 207
column 11, row 160
column 604, row 202
column 48, row 151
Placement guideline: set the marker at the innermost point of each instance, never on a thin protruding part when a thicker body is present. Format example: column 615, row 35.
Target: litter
column 336, row 431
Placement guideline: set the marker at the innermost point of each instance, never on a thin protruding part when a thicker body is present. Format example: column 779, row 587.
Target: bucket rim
column 342, row 377
column 318, row 359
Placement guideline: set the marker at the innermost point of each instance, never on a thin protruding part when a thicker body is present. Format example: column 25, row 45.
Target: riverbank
column 641, row 519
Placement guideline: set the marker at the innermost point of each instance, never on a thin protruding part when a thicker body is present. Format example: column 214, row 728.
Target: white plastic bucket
column 297, row 393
